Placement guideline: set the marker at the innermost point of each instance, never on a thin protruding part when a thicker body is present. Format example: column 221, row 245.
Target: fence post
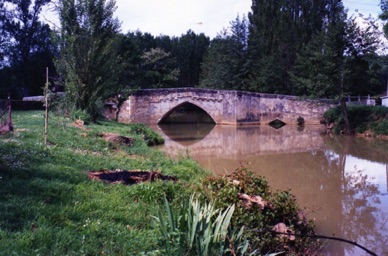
column 46, row 108
column 10, row 125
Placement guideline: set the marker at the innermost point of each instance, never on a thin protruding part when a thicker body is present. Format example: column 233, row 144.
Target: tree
column 360, row 56
column 87, row 59
column 3, row 35
column 25, row 40
column 278, row 30
column 319, row 67
column 159, row 68
column 338, row 60
column 384, row 15
column 189, row 50
column 225, row 64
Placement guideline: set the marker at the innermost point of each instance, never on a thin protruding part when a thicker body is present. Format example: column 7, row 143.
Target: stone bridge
column 151, row 106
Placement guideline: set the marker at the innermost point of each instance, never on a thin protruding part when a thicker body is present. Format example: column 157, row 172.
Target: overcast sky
column 176, row 17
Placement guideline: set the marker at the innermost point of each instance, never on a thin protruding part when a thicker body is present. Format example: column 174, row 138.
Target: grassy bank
column 366, row 120
column 49, row 206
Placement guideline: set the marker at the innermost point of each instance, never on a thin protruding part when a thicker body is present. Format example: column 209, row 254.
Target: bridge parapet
column 150, row 106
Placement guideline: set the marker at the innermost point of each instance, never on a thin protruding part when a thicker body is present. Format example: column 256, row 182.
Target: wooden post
column 10, row 125
column 46, row 108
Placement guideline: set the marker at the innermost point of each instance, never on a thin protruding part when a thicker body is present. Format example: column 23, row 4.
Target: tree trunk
column 344, row 112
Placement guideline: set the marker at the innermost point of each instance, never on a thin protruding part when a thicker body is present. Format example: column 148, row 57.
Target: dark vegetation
column 51, row 207
column 318, row 53
column 367, row 120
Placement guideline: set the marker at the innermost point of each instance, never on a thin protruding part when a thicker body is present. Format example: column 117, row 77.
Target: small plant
column 199, row 229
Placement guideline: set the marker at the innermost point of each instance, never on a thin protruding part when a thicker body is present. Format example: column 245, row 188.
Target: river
column 340, row 180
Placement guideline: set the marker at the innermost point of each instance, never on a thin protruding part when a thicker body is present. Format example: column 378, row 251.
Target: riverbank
column 51, row 207
column 365, row 121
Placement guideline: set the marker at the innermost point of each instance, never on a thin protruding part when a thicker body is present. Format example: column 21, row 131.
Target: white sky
column 176, row 17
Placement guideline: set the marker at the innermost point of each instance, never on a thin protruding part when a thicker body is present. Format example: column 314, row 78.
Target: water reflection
column 343, row 181
column 186, row 134
column 236, row 142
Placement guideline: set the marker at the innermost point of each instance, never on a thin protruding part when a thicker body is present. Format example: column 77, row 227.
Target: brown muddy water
column 341, row 180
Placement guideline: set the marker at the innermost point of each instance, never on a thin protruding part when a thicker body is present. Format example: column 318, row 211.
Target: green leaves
column 199, row 229
column 87, row 56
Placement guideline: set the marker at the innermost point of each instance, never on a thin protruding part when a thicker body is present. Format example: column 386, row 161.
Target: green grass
column 48, row 206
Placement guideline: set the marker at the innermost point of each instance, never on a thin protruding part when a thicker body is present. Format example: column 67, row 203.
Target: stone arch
column 180, row 104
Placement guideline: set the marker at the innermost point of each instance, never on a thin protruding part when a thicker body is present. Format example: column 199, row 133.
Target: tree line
column 309, row 48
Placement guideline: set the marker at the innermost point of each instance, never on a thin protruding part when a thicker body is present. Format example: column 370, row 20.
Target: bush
column 361, row 119
column 151, row 137
column 332, row 115
column 380, row 128
column 279, row 207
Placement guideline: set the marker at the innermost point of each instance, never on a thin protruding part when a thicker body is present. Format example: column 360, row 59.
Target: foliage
column 316, row 73
column 197, row 229
column 179, row 67
column 87, row 59
column 189, row 51
column 384, row 15
column 281, row 207
column 278, row 30
column 361, row 69
column 158, row 66
column 361, row 119
column 380, row 128
column 25, row 47
column 319, row 66
column 224, row 65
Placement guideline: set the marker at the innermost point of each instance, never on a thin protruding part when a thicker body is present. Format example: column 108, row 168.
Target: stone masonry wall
column 225, row 107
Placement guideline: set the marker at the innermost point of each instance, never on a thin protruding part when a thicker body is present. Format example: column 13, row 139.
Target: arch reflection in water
column 185, row 134
column 342, row 180
column 235, row 142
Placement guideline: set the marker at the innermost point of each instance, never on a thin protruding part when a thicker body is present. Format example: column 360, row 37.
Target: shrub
column 279, row 207
column 332, row 115
column 380, row 128
column 361, row 119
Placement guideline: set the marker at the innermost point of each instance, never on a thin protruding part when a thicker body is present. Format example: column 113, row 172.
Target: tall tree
column 319, row 68
column 189, row 51
column 360, row 54
column 87, row 58
column 28, row 40
column 225, row 64
column 278, row 31
column 338, row 60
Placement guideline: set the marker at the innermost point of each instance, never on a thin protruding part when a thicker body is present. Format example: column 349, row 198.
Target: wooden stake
column 46, row 108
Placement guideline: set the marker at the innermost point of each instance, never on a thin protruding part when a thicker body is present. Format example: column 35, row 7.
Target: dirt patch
column 115, row 138
column 129, row 177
